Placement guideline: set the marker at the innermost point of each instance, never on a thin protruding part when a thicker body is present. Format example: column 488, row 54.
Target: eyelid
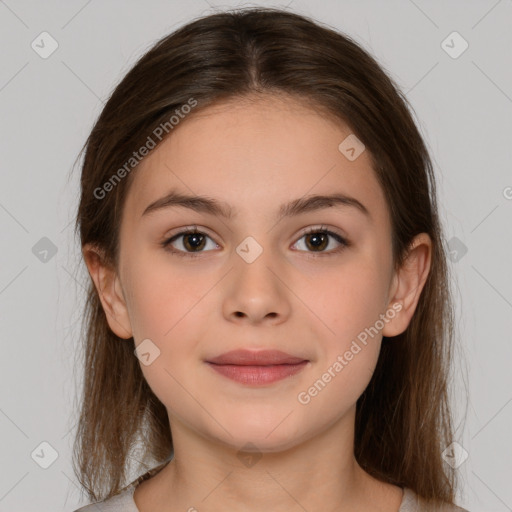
column 322, row 227
column 192, row 228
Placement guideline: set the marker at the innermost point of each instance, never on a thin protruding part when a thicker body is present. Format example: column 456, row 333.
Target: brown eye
column 192, row 243
column 318, row 239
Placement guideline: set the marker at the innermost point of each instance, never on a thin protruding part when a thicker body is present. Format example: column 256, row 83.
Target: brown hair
column 403, row 420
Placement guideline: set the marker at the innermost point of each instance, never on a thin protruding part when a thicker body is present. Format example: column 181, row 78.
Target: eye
column 192, row 242
column 317, row 239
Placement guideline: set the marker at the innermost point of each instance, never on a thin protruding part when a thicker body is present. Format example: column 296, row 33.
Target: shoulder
column 411, row 502
column 122, row 502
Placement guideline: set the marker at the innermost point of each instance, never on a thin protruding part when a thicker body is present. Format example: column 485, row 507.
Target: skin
column 256, row 156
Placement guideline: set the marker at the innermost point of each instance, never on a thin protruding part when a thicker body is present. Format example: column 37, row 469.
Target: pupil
column 195, row 244
column 318, row 237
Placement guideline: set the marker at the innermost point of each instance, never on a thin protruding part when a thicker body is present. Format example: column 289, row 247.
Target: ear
column 109, row 290
column 407, row 285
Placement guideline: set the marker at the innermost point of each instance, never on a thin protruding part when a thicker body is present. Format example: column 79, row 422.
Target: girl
column 269, row 316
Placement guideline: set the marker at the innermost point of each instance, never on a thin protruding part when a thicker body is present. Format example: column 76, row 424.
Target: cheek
column 335, row 388
column 168, row 308
column 163, row 300
column 347, row 306
column 165, row 310
column 346, row 301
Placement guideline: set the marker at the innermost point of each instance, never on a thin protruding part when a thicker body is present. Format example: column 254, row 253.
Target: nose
column 257, row 291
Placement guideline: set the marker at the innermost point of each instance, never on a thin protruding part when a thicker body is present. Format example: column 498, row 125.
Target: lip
column 257, row 368
column 256, row 358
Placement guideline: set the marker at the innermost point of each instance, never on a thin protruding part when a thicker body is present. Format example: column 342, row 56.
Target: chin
column 272, row 436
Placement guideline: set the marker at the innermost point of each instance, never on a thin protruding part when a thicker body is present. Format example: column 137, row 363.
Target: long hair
column 403, row 419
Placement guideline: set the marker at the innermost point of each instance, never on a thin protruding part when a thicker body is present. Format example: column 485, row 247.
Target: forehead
column 256, row 152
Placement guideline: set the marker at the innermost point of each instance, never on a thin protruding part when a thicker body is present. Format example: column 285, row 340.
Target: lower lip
column 254, row 375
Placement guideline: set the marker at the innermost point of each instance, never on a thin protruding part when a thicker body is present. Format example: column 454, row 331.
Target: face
column 305, row 281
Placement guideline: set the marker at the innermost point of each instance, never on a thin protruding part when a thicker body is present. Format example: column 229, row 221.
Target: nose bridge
column 257, row 288
column 253, row 262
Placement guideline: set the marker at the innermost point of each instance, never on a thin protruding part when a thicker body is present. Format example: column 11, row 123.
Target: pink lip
column 262, row 367
column 256, row 358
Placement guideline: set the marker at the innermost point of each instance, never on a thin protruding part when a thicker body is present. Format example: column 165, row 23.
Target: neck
column 318, row 473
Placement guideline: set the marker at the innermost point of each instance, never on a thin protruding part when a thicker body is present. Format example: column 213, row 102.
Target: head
column 255, row 112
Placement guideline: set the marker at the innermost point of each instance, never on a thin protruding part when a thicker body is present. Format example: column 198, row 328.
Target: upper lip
column 256, row 358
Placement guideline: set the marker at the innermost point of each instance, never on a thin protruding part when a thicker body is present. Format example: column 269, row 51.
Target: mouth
column 257, row 368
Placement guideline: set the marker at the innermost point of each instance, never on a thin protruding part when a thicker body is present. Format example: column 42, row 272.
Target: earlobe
column 408, row 284
column 109, row 290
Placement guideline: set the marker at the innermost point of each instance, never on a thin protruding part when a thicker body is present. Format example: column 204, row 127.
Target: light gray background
column 464, row 110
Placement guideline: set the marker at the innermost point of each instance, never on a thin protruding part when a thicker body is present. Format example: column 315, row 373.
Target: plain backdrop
column 462, row 99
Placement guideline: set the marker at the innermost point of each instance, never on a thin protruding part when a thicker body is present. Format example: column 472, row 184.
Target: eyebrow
column 204, row 204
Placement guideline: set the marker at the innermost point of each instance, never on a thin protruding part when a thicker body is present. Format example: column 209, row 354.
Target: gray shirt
column 124, row 502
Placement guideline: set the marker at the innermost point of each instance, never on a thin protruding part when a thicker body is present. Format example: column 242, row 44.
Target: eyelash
column 166, row 244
